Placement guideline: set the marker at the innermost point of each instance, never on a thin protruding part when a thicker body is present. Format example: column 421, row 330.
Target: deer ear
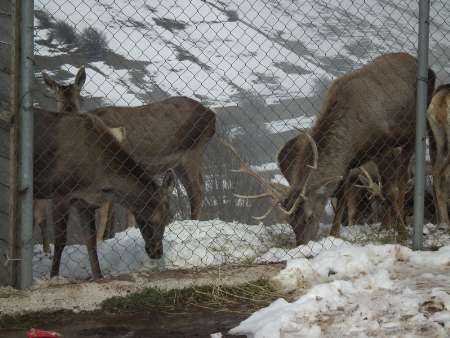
column 169, row 181
column 80, row 79
column 49, row 82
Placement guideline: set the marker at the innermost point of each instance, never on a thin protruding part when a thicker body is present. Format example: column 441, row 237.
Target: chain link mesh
column 263, row 68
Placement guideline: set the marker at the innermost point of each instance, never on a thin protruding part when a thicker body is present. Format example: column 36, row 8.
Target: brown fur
column 78, row 163
column 67, row 96
column 364, row 114
column 111, row 155
column 171, row 133
column 353, row 202
column 438, row 116
column 68, row 100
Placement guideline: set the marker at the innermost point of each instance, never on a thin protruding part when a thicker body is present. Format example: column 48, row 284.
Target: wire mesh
column 258, row 74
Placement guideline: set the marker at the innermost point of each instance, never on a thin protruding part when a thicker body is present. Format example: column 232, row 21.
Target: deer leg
column 351, row 208
column 110, row 222
column 105, row 212
column 387, row 219
column 337, row 222
column 193, row 182
column 87, row 219
column 441, row 194
column 40, row 211
column 131, row 220
column 439, row 154
column 45, row 243
column 400, row 200
column 338, row 215
column 61, row 217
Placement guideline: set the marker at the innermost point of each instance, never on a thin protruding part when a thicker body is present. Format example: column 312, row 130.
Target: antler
column 270, row 190
column 374, row 188
column 302, row 195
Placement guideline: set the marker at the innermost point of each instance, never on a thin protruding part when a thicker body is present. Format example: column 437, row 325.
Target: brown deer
column 80, row 163
column 364, row 114
column 361, row 189
column 170, row 116
column 383, row 167
column 171, row 133
column 67, row 96
column 438, row 116
column 68, row 101
column 154, row 138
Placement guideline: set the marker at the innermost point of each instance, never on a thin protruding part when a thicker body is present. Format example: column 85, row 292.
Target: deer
column 161, row 137
column 364, row 114
column 80, row 163
column 361, row 189
column 171, row 115
column 68, row 100
column 438, row 117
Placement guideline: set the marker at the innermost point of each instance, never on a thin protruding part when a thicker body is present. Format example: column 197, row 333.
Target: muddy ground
column 192, row 322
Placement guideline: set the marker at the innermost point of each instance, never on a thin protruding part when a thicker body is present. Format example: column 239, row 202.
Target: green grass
column 17, row 322
column 245, row 299
column 215, row 297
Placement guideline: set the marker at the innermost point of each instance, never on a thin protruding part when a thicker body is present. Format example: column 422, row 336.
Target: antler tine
column 244, row 168
column 299, row 198
column 314, row 166
column 302, row 195
column 258, row 196
column 267, row 213
column 314, row 149
column 375, row 188
column 315, row 161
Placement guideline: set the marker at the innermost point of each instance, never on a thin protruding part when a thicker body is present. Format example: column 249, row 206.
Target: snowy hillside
column 219, row 51
column 262, row 65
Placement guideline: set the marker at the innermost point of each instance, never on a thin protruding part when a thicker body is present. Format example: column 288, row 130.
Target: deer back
column 80, row 151
column 159, row 133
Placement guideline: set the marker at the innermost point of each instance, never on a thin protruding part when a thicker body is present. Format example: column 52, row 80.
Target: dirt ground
column 193, row 322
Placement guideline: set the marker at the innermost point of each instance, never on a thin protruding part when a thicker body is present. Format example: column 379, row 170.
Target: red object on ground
column 33, row 333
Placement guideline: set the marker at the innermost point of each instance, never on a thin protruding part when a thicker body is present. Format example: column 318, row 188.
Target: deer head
column 67, row 96
column 152, row 226
column 365, row 174
column 298, row 202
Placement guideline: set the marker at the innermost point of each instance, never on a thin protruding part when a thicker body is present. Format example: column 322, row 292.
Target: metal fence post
column 421, row 106
column 26, row 144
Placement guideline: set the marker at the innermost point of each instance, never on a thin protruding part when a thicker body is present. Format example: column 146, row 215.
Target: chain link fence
column 233, row 85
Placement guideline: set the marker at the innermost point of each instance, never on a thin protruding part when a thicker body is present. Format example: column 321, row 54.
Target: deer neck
column 331, row 169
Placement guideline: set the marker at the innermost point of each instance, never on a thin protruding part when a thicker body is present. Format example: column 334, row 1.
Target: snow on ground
column 279, row 126
column 355, row 291
column 280, row 179
column 187, row 244
column 199, row 244
column 270, row 166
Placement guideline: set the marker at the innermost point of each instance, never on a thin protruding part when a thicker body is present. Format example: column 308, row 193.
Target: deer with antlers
column 438, row 116
column 365, row 113
column 361, row 189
